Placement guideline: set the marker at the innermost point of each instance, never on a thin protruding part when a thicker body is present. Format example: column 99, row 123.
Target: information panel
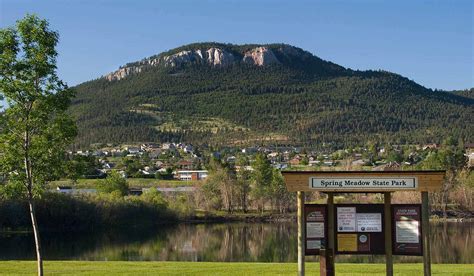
column 359, row 229
column 406, row 229
column 315, row 219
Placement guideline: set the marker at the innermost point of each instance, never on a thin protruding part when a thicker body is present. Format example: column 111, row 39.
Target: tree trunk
column 29, row 187
column 37, row 236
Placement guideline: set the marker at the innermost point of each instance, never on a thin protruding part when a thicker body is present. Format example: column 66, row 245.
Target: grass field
column 132, row 182
column 193, row 268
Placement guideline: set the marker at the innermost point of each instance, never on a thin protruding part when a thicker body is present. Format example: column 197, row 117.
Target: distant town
column 185, row 162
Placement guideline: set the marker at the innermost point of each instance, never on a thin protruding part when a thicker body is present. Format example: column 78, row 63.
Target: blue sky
column 430, row 42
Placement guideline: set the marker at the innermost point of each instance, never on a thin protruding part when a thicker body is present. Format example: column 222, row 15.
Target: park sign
column 363, row 181
column 362, row 228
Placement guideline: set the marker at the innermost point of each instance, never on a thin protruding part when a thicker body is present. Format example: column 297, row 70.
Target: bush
column 113, row 183
column 60, row 212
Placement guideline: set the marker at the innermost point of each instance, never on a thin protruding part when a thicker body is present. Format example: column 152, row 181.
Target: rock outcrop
column 219, row 57
column 213, row 56
column 260, row 56
column 125, row 71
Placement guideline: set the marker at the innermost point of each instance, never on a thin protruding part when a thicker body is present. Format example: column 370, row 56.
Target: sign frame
column 324, row 240
column 393, row 209
column 427, row 181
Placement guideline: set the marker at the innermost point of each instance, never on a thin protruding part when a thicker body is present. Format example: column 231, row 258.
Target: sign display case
column 315, row 220
column 359, row 229
column 406, row 229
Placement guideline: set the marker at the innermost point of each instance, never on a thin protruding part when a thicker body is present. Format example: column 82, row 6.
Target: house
column 98, row 153
column 147, row 171
column 116, row 152
column 83, row 153
column 249, row 150
column 149, row 146
column 273, row 154
column 296, row 160
column 167, row 146
column 133, row 150
column 243, row 168
column 188, row 149
column 185, row 165
column 108, row 165
column 329, row 163
column 191, row 175
column 280, row 166
column 159, row 164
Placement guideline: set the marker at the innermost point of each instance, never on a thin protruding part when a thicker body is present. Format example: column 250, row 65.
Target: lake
column 231, row 242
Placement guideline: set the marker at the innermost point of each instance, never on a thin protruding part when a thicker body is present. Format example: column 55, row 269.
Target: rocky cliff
column 213, row 56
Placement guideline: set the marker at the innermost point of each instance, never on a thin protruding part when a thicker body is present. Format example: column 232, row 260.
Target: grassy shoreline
column 216, row 268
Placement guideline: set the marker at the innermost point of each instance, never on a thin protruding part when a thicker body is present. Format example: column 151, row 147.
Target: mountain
column 213, row 93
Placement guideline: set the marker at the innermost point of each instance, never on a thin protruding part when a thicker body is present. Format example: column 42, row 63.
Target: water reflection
column 242, row 242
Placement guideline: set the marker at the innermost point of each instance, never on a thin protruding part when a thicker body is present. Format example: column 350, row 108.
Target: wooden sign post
column 363, row 228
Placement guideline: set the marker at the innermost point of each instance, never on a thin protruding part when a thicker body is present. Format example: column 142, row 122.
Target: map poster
column 315, row 219
column 346, row 219
column 406, row 229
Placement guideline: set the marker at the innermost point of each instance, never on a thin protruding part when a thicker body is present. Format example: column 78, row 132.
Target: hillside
column 230, row 94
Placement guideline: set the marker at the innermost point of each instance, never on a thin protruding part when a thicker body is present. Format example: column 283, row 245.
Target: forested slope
column 300, row 99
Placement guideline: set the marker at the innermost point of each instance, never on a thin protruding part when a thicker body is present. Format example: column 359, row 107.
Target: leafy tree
column 80, row 166
column 211, row 193
column 262, row 178
column 168, row 175
column 243, row 188
column 220, row 186
column 304, row 160
column 449, row 157
column 113, row 183
column 132, row 166
column 35, row 129
column 154, row 197
column 395, row 156
column 280, row 195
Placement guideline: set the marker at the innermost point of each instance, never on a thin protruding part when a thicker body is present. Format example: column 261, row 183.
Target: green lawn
column 192, row 268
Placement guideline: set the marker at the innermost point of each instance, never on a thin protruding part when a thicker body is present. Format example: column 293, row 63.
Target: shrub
column 113, row 183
